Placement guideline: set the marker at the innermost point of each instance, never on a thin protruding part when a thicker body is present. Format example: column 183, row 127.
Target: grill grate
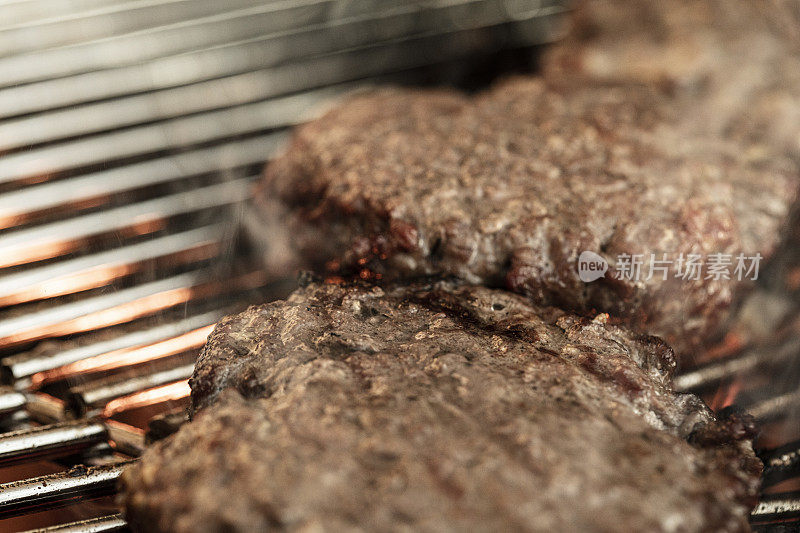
column 756, row 368
column 130, row 135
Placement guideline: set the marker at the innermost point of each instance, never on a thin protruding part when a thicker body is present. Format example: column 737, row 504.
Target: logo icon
column 591, row 266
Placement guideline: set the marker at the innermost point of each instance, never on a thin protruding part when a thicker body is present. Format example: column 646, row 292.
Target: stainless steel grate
column 756, row 368
column 130, row 134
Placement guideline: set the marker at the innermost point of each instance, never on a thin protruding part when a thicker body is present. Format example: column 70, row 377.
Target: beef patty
column 509, row 188
column 735, row 66
column 439, row 407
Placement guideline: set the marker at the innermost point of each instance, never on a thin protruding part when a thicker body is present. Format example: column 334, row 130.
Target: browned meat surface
column 734, row 65
column 439, row 407
column 507, row 189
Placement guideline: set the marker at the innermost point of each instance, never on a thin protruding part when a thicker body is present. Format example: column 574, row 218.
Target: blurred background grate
column 130, row 135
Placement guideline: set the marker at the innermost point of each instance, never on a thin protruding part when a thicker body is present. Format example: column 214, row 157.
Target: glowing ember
column 725, row 396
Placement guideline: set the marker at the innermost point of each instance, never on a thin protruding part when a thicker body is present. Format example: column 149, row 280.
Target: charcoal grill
column 130, row 135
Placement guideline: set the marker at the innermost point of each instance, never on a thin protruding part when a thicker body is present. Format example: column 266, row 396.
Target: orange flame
column 725, row 396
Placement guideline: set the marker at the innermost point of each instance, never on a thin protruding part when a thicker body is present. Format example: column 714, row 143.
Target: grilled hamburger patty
column 507, row 189
column 735, row 66
column 439, row 407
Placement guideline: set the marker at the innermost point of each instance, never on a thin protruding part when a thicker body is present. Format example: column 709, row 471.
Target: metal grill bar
column 120, row 19
column 218, row 125
column 18, row 12
column 170, row 392
column 96, row 97
column 777, row 507
column 238, row 89
column 716, row 372
column 160, row 41
column 87, row 314
column 781, row 463
column 121, row 306
column 11, row 401
column 127, row 439
column 92, row 396
column 48, row 240
column 775, row 406
column 47, row 12
column 58, row 440
column 111, row 361
column 104, row 524
column 401, row 21
column 44, row 408
column 99, row 8
column 16, row 205
column 59, row 490
column 19, row 367
column 99, row 269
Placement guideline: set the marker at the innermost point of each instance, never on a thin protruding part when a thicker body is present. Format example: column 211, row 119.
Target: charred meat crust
column 508, row 188
column 438, row 407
